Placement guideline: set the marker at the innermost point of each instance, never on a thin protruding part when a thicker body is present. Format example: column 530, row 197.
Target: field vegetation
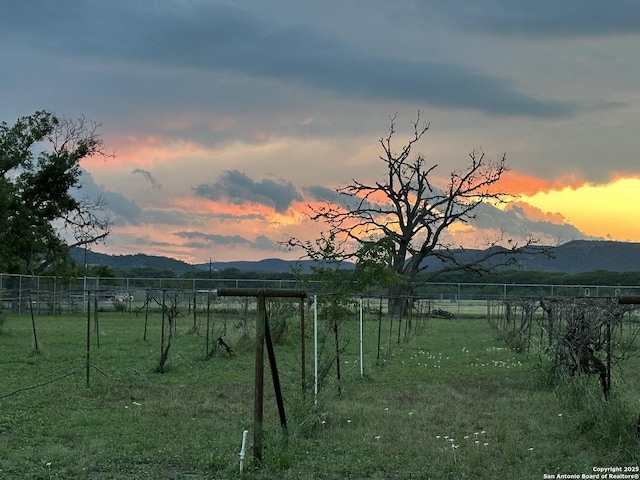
column 445, row 400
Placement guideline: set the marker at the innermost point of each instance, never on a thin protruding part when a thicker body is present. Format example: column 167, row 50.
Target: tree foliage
column 39, row 167
column 404, row 217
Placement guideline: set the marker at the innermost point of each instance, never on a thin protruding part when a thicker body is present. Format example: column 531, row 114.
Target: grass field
column 448, row 401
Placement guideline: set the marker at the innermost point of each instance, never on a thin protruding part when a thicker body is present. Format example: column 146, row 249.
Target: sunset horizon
column 226, row 120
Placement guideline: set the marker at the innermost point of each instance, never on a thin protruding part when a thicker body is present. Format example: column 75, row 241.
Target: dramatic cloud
column 238, row 188
column 228, row 117
column 124, row 211
column 200, row 240
column 223, row 38
column 585, row 18
column 517, row 221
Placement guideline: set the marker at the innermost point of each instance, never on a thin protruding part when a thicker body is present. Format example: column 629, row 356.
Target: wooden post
column 629, row 300
column 33, row 326
column 274, row 372
column 258, row 392
column 262, row 334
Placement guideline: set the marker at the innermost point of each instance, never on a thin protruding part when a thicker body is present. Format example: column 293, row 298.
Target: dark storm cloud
column 568, row 18
column 125, row 211
column 239, row 189
column 214, row 38
column 200, row 240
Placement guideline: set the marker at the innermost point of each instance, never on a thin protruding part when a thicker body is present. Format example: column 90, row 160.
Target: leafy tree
column 102, row 271
column 148, row 272
column 39, row 166
column 402, row 219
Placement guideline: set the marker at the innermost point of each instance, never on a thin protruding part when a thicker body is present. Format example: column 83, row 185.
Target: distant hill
column 128, row 262
column 581, row 256
column 577, row 256
column 140, row 260
column 268, row 265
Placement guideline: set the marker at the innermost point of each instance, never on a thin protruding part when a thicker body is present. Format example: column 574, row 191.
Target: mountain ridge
column 576, row 256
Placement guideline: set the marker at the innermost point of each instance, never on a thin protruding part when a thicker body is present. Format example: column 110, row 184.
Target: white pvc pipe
column 243, row 449
column 361, row 343
column 315, row 348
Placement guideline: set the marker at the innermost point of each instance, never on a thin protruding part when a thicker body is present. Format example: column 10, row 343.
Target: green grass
column 451, row 383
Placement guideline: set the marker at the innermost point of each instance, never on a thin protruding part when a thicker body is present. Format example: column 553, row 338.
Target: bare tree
column 404, row 218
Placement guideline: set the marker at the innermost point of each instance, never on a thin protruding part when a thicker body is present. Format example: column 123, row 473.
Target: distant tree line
column 597, row 277
column 520, row 277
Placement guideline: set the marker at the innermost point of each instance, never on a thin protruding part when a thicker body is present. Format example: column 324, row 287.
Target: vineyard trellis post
column 263, row 335
column 146, row 315
column 33, row 326
column 379, row 329
column 302, row 347
column 206, row 349
column 361, row 338
column 573, row 330
column 88, row 306
column 95, row 319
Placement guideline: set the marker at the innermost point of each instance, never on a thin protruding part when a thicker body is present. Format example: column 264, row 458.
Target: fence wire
column 55, row 295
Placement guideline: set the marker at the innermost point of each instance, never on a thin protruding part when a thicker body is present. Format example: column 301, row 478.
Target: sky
column 227, row 118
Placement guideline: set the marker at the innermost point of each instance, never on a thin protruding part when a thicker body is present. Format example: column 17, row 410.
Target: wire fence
column 49, row 295
column 567, row 320
column 340, row 334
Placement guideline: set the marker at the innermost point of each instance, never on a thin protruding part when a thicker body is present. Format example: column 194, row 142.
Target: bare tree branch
column 407, row 213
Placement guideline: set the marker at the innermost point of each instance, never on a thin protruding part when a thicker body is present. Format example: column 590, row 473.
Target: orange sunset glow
column 600, row 211
column 320, row 179
column 606, row 211
column 228, row 118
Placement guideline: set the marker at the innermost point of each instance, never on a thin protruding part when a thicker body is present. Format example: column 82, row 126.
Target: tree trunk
column 399, row 299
